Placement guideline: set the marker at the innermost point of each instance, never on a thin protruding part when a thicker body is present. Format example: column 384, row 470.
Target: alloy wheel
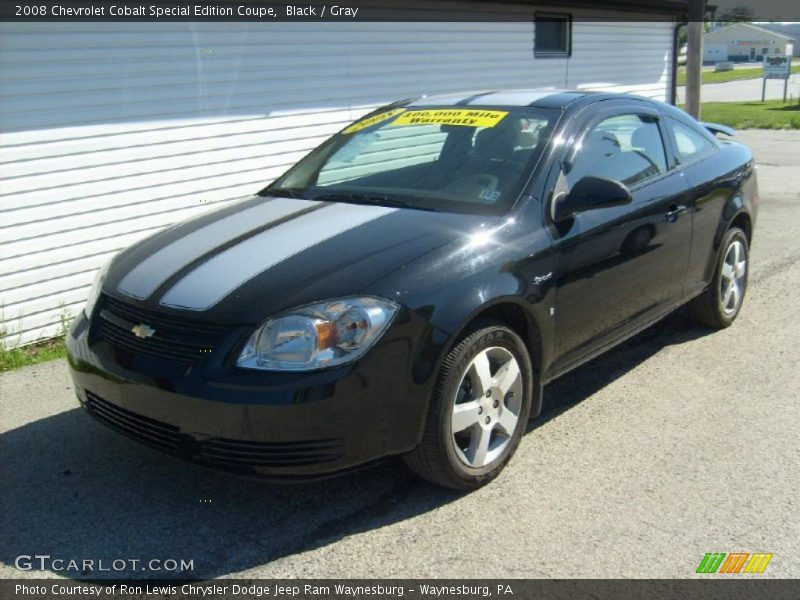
column 732, row 280
column 486, row 407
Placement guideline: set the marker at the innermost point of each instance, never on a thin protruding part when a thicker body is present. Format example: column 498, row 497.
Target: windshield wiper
column 285, row 192
column 377, row 199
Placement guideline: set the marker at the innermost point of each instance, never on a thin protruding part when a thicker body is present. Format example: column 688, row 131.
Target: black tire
column 436, row 458
column 707, row 308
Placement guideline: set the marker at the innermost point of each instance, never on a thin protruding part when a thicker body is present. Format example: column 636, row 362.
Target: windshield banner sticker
column 466, row 117
column 368, row 122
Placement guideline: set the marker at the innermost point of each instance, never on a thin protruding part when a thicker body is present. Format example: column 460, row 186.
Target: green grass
column 772, row 114
column 16, row 358
column 723, row 76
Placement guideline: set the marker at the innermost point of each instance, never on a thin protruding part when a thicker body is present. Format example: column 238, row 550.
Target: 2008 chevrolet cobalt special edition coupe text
column 409, row 286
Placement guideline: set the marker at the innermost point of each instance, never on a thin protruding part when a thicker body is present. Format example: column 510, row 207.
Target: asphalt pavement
column 682, row 441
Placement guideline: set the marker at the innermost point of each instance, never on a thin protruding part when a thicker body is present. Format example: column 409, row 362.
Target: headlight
column 94, row 291
column 317, row 336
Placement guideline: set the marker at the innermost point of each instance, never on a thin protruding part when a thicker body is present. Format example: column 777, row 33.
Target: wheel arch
column 734, row 214
column 743, row 221
column 516, row 316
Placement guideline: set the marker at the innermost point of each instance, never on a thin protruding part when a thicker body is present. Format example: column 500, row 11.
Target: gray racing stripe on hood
column 148, row 275
column 209, row 283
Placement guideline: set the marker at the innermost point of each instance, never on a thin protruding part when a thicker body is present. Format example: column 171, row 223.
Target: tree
column 683, row 33
column 737, row 14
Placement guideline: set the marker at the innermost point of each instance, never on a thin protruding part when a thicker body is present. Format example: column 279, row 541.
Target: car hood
column 264, row 255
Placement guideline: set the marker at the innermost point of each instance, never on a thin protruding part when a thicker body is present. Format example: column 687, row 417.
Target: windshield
column 474, row 159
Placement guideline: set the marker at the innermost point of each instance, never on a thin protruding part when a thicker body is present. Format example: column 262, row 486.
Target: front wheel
column 719, row 305
column 478, row 412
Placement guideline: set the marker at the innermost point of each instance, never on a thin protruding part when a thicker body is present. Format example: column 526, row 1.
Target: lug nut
column 488, row 420
column 496, row 403
column 480, row 410
column 488, row 393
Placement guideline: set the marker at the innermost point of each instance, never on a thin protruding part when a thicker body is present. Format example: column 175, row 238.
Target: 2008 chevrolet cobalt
column 409, row 286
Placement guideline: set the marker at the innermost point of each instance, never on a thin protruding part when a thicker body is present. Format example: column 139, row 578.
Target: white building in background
column 744, row 42
column 110, row 131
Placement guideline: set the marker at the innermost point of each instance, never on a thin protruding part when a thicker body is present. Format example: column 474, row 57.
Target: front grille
column 274, row 454
column 150, row 431
column 235, row 454
column 173, row 339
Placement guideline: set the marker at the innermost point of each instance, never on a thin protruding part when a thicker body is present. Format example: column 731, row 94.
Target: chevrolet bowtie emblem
column 142, row 331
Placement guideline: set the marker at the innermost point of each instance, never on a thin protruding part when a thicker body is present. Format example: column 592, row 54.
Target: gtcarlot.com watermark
column 84, row 566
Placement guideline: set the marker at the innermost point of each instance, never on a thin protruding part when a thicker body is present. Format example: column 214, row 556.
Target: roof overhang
column 674, row 8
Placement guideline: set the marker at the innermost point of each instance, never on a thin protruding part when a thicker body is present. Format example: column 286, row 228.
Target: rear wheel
column 478, row 412
column 719, row 305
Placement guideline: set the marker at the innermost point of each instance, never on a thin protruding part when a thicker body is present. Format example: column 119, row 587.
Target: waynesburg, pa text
column 251, row 590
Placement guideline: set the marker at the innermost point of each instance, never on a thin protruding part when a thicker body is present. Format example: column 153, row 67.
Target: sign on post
column 776, row 66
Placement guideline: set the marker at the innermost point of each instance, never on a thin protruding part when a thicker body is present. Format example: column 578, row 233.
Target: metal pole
column 763, row 87
column 694, row 56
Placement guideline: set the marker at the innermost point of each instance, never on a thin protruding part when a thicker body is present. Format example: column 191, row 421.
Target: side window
column 627, row 148
column 690, row 144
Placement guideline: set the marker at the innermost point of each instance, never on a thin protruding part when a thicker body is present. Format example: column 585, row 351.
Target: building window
column 552, row 35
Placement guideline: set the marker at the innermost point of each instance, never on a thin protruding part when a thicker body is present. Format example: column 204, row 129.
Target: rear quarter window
column 690, row 144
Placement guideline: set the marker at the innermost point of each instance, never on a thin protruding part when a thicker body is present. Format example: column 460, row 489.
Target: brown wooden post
column 694, row 56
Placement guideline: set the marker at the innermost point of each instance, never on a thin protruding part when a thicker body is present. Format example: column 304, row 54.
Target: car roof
column 537, row 97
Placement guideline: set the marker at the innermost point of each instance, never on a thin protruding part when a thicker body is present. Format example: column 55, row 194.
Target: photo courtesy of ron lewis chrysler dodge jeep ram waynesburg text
column 409, row 286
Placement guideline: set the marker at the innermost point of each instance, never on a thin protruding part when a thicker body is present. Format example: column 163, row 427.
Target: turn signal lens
column 97, row 286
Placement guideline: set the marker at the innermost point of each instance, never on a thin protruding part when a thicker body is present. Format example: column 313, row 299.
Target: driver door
column 619, row 267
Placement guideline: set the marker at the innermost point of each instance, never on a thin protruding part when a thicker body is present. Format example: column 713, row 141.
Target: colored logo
column 142, row 331
column 734, row 562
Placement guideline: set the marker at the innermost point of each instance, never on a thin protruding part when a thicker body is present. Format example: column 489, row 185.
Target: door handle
column 674, row 211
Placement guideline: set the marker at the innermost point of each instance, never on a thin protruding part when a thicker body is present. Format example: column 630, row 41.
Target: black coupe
column 410, row 285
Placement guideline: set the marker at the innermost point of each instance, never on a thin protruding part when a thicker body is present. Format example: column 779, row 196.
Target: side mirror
column 590, row 193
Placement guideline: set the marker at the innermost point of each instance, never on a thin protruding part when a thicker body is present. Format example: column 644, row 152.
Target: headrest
column 645, row 137
column 603, row 142
column 494, row 144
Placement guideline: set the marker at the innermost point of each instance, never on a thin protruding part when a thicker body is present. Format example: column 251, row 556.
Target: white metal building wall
column 109, row 132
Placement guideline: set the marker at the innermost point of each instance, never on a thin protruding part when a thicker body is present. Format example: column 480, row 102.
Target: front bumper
column 279, row 425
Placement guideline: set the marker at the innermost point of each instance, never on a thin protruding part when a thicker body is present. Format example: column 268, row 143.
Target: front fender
column 509, row 277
